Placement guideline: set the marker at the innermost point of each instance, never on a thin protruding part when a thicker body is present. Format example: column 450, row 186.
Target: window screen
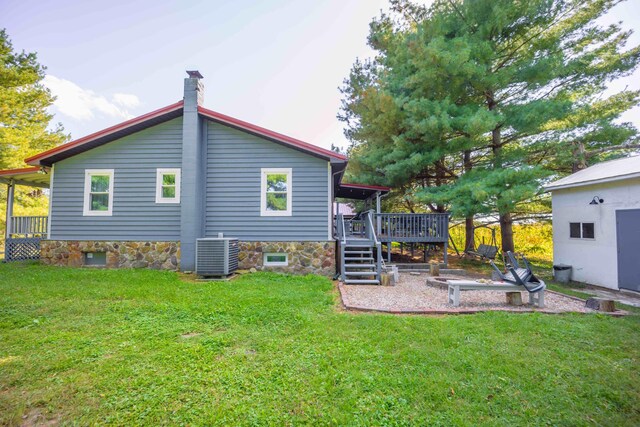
column 588, row 230
column 574, row 230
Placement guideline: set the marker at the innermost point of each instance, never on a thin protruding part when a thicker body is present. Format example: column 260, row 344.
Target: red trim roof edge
column 105, row 132
column 269, row 133
column 21, row 171
column 365, row 186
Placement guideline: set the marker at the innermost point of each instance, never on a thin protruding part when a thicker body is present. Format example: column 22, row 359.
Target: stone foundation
column 304, row 257
column 70, row 253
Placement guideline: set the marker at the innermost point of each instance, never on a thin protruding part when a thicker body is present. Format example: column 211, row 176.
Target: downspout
column 333, row 213
column 340, row 252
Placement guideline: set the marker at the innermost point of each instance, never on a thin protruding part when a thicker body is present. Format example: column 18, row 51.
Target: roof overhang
column 553, row 187
column 31, row 177
column 61, row 152
column 360, row 191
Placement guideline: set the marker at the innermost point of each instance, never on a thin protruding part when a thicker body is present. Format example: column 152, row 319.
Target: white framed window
column 168, row 185
column 98, row 192
column 275, row 192
column 582, row 230
column 276, row 260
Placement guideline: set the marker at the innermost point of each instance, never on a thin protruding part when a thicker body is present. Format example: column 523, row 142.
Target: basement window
column 95, row 259
column 582, row 230
column 276, row 260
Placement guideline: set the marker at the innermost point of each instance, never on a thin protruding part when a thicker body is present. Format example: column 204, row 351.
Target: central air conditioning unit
column 216, row 256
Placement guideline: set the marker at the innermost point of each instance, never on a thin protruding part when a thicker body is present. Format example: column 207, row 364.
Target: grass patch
column 133, row 347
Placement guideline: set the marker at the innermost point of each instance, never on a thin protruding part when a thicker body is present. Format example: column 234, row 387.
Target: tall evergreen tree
column 24, row 101
column 24, row 117
column 488, row 98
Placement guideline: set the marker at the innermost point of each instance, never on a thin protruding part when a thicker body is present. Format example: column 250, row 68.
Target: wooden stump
column 514, row 298
column 386, row 279
column 434, row 269
column 600, row 304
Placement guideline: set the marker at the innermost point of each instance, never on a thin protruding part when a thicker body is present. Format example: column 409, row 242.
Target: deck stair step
column 359, row 266
column 362, row 282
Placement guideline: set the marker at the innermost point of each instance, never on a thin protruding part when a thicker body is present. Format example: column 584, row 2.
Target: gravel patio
column 413, row 294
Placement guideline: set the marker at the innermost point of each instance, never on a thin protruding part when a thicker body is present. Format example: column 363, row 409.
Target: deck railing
column 371, row 234
column 357, row 227
column 408, row 227
column 28, row 226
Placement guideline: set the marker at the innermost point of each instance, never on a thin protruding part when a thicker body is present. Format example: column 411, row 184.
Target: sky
column 274, row 63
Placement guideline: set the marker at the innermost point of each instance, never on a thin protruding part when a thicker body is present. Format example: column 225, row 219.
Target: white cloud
column 127, row 100
column 83, row 104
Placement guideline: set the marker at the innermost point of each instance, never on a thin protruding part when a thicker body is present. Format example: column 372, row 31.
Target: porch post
column 10, row 193
column 378, row 219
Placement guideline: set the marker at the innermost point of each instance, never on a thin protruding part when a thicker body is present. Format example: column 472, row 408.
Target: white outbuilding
column 596, row 223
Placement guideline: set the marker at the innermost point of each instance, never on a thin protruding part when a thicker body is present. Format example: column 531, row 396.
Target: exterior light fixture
column 596, row 201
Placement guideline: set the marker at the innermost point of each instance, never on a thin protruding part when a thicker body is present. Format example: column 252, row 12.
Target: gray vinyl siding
column 234, row 163
column 136, row 216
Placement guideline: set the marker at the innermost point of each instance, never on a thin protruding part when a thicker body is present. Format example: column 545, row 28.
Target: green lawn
column 130, row 347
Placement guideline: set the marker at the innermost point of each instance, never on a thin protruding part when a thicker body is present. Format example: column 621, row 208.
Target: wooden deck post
column 378, row 219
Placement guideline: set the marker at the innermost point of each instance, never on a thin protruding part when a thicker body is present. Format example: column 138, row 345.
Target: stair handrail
column 371, row 234
column 342, row 233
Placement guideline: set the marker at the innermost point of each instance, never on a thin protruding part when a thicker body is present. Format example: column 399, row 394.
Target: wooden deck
column 380, row 229
column 412, row 228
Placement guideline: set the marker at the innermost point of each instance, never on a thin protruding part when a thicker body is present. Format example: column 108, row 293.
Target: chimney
column 192, row 182
column 193, row 89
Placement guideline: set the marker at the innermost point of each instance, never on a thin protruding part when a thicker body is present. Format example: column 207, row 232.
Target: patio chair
column 518, row 275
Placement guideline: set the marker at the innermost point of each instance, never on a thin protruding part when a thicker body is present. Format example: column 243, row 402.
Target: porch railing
column 28, row 226
column 371, row 235
column 357, row 227
column 408, row 227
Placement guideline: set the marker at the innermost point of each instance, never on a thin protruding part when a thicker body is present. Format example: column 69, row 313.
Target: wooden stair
column 359, row 263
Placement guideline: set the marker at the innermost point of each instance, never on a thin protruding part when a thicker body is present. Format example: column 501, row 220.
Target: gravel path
column 413, row 295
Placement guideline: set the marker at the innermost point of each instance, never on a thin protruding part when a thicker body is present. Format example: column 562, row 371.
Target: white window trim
column 159, row 173
column 87, row 191
column 263, row 191
column 275, row 263
column 581, row 229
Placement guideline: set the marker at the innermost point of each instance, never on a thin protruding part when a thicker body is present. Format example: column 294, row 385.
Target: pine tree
column 488, row 98
column 24, row 119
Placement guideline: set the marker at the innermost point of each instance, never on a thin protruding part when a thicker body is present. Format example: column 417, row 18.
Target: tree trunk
column 469, row 236
column 579, row 157
column 506, row 223
column 469, row 231
column 506, row 228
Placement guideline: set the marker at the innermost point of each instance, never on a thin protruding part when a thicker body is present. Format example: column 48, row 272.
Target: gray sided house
column 141, row 193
